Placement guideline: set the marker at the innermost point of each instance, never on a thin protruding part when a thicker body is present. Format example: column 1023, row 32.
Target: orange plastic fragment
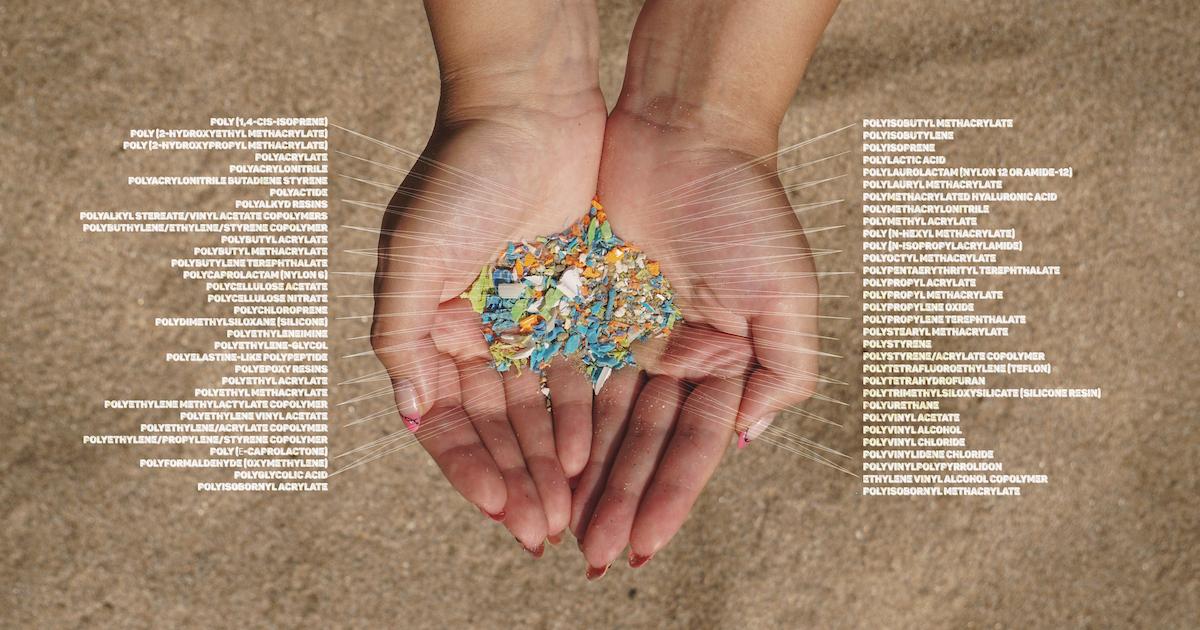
column 518, row 269
column 528, row 322
column 652, row 267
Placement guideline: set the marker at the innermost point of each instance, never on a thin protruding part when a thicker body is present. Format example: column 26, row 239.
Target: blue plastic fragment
column 582, row 326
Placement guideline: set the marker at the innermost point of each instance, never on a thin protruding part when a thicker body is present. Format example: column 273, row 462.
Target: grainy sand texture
column 90, row 540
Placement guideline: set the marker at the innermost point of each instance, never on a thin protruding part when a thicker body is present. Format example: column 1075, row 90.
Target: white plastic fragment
column 510, row 291
column 604, row 374
column 569, row 283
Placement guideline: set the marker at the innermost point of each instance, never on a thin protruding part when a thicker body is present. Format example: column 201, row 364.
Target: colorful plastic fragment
column 581, row 293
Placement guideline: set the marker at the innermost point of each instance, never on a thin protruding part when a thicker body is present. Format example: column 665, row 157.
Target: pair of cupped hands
column 621, row 469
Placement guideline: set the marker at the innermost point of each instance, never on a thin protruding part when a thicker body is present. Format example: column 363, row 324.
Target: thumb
column 406, row 303
column 785, row 372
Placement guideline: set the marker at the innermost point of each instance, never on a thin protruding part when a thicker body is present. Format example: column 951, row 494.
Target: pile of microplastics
column 581, row 293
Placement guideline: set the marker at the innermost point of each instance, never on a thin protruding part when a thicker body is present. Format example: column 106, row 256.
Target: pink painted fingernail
column 498, row 516
column 636, row 561
column 407, row 405
column 758, row 427
column 555, row 539
column 755, row 430
column 595, row 573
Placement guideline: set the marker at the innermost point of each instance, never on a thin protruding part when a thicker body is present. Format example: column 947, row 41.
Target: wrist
column 694, row 123
column 666, row 87
column 729, row 69
column 543, row 95
column 500, row 59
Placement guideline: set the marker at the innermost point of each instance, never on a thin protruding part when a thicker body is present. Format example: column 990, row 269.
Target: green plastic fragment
column 519, row 308
column 591, row 233
column 477, row 294
column 606, row 230
column 551, row 300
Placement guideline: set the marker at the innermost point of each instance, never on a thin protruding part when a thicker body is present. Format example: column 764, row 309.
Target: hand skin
column 514, row 154
column 706, row 88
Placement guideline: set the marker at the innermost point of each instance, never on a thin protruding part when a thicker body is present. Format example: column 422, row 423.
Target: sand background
column 89, row 540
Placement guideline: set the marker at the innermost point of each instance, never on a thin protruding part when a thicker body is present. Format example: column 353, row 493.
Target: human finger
column 571, row 410
column 645, row 438
column 483, row 399
column 535, row 433
column 700, row 439
column 785, row 371
column 610, row 413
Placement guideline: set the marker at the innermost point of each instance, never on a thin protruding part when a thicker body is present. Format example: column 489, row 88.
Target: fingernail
column 595, row 573
column 406, row 404
column 758, row 427
column 755, row 430
column 555, row 539
column 537, row 551
column 636, row 561
column 498, row 516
